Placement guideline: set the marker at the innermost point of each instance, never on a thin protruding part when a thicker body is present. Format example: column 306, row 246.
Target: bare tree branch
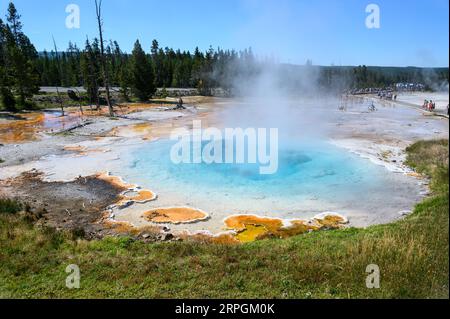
column 98, row 10
column 59, row 76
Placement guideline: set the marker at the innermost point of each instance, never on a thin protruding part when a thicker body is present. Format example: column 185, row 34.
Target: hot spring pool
column 311, row 178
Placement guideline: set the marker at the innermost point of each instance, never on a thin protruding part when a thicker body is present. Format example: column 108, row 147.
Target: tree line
column 23, row 70
column 139, row 74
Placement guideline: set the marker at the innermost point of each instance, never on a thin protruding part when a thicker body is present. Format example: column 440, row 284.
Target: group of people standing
column 429, row 105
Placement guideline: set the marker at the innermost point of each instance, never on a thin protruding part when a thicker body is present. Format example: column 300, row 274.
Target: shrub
column 164, row 94
column 78, row 233
column 7, row 99
column 9, row 206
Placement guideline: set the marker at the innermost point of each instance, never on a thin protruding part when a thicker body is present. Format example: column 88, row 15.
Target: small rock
column 145, row 236
column 166, row 237
column 126, row 205
column 405, row 213
column 166, row 229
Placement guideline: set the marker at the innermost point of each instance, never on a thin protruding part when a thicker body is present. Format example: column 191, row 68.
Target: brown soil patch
column 73, row 205
column 115, row 181
column 142, row 196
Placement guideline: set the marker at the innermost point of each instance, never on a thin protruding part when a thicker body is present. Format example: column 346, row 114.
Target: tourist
column 430, row 106
column 180, row 103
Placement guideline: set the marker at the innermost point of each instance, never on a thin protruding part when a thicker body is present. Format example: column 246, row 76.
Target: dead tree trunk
column 79, row 100
column 98, row 8
column 59, row 78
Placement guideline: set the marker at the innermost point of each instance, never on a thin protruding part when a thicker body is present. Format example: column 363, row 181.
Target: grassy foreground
column 412, row 254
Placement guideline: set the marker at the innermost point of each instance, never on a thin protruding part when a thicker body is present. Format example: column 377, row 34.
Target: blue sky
column 412, row 32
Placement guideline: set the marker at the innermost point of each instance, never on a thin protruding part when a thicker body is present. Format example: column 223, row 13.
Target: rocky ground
column 76, row 206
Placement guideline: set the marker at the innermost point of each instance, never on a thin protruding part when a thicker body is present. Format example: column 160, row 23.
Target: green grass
column 9, row 206
column 413, row 256
column 428, row 158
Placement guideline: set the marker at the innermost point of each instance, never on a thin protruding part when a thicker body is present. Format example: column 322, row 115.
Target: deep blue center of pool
column 305, row 170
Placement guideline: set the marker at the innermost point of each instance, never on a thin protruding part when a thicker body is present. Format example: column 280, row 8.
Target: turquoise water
column 317, row 171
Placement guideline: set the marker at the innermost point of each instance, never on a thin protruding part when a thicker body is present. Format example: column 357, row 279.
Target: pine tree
column 115, row 59
column 142, row 78
column 155, row 48
column 125, row 80
column 158, row 57
column 22, row 57
column 196, row 74
column 73, row 65
column 13, row 19
column 6, row 96
column 90, row 69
